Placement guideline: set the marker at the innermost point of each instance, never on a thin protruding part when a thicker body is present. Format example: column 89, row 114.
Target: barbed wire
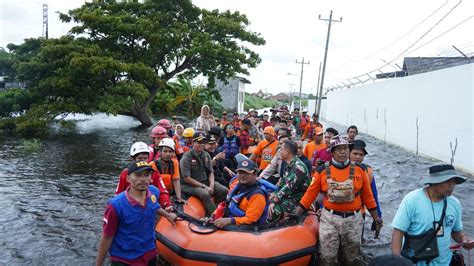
column 366, row 77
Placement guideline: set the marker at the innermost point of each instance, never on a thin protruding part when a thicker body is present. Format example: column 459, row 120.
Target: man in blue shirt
column 421, row 210
column 129, row 221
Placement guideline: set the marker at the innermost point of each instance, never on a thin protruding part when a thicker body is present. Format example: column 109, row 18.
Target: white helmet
column 167, row 142
column 139, row 147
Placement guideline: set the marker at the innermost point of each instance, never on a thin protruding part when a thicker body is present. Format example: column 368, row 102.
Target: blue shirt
column 415, row 216
column 135, row 234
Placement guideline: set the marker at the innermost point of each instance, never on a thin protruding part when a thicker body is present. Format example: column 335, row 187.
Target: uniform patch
column 153, row 198
column 245, row 163
column 449, row 220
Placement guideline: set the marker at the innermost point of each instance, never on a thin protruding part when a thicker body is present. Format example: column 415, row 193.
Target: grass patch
column 30, row 145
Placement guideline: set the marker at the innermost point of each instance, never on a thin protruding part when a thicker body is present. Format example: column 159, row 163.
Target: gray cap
column 443, row 173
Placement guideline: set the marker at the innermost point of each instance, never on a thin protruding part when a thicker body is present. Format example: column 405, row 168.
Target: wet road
column 397, row 172
column 53, row 198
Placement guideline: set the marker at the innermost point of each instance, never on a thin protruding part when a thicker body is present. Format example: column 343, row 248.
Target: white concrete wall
column 441, row 101
column 230, row 94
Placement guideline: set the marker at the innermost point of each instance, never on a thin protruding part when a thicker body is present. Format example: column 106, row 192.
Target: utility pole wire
column 321, row 85
column 404, row 35
column 420, row 38
column 301, row 79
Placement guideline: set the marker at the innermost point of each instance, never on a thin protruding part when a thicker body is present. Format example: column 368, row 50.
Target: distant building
column 233, row 94
column 418, row 65
column 279, row 97
column 260, row 94
column 5, row 85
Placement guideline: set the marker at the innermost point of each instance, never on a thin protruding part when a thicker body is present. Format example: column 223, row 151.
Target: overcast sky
column 372, row 32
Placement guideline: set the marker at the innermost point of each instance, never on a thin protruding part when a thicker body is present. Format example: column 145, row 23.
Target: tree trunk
column 140, row 114
column 143, row 117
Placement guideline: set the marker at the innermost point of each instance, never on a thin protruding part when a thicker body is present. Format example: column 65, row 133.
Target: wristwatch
column 203, row 186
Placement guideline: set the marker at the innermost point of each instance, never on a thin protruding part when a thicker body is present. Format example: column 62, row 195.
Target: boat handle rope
column 191, row 220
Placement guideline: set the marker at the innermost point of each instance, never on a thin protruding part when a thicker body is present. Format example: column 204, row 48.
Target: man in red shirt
column 140, row 152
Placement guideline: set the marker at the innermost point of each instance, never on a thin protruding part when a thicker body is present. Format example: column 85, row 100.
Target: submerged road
column 53, row 196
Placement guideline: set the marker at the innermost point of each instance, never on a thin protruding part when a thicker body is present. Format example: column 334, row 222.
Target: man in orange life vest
column 140, row 152
column 224, row 120
column 168, row 167
column 347, row 190
column 315, row 145
column 247, row 200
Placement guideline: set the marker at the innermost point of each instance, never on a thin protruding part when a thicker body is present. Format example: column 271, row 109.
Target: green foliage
column 67, row 124
column 7, row 124
column 31, row 128
column 30, row 145
column 121, row 55
column 181, row 97
column 14, row 101
column 257, row 102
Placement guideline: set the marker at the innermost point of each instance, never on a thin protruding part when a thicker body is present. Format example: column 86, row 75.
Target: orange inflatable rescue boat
column 193, row 242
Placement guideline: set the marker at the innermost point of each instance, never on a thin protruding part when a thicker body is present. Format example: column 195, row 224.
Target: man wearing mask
column 347, row 190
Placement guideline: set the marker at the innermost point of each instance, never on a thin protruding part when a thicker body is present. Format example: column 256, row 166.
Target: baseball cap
column 211, row 139
column 138, row 167
column 269, row 130
column 318, row 131
column 247, row 166
column 199, row 137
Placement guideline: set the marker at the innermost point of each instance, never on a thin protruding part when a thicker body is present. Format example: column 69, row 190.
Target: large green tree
column 120, row 55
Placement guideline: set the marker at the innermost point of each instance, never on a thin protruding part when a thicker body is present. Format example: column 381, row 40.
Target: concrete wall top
column 425, row 112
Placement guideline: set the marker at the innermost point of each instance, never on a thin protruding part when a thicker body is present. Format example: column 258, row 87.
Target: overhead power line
column 408, row 32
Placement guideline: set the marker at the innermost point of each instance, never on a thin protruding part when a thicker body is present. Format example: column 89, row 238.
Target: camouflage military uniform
column 292, row 187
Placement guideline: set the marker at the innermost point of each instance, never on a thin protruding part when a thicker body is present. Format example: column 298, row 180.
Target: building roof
column 244, row 80
column 417, row 65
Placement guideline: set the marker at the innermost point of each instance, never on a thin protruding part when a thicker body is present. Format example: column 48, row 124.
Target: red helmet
column 158, row 132
column 164, row 123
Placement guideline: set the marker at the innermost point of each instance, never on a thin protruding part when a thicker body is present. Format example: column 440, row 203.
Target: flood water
column 52, row 198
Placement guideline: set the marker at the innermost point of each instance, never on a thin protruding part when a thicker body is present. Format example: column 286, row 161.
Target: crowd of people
column 291, row 164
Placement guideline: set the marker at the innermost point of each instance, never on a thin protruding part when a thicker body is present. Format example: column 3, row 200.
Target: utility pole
column 290, row 95
column 45, row 21
column 330, row 20
column 318, row 95
column 301, row 78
